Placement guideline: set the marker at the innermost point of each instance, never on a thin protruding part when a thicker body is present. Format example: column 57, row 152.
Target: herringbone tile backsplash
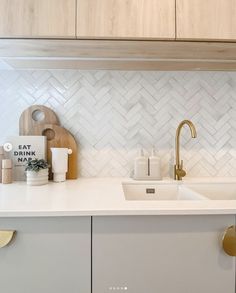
column 112, row 114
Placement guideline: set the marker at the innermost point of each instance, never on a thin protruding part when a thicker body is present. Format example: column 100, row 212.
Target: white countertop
column 96, row 197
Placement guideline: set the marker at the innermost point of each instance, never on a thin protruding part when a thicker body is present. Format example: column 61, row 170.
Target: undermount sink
column 159, row 192
column 214, row 191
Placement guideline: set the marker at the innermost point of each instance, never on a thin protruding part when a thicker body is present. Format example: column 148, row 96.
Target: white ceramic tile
column 113, row 113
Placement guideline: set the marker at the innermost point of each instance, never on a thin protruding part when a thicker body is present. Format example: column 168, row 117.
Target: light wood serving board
column 27, row 121
column 59, row 137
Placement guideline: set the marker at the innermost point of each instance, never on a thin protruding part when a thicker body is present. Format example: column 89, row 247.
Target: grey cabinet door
column 47, row 255
column 162, row 254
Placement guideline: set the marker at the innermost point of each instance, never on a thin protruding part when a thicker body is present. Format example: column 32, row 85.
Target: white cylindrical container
column 60, row 163
column 141, row 166
column 37, row 178
column 154, row 166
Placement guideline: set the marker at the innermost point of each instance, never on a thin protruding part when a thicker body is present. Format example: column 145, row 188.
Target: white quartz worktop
column 98, row 196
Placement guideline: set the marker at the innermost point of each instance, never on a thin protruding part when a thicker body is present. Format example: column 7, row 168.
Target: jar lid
column 6, row 164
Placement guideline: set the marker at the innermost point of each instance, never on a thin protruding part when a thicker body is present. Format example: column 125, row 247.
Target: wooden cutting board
column 36, row 115
column 59, row 137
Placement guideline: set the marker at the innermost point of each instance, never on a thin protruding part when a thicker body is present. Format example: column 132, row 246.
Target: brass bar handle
column 229, row 241
column 6, row 237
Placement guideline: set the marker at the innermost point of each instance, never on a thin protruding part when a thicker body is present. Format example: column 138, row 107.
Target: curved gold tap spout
column 178, row 168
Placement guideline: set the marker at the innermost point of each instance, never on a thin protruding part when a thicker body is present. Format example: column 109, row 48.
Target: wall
column 113, row 113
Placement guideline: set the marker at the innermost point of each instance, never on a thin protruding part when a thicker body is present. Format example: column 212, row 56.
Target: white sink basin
column 214, row 191
column 159, row 192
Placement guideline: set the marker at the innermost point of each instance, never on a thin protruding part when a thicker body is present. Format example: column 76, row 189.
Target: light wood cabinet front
column 37, row 18
column 150, row 19
column 206, row 19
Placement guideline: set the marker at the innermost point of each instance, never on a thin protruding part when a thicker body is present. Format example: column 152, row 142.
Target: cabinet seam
column 175, row 19
column 91, row 255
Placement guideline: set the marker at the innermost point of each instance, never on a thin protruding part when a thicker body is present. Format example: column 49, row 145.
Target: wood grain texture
column 59, row 137
column 27, row 123
column 154, row 19
column 118, row 49
column 206, row 19
column 118, row 54
column 152, row 65
column 37, row 18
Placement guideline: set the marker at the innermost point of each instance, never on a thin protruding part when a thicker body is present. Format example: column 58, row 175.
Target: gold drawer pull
column 229, row 241
column 6, row 237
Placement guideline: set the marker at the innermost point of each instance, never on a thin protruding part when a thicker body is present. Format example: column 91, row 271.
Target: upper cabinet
column 37, row 18
column 144, row 19
column 206, row 19
column 203, row 20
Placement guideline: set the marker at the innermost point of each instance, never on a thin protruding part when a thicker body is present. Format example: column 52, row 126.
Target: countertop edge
column 106, row 213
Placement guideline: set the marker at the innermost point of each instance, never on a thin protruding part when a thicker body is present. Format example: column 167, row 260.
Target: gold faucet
column 179, row 172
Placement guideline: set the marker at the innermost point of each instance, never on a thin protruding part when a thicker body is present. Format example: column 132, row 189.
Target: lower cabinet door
column 162, row 254
column 46, row 255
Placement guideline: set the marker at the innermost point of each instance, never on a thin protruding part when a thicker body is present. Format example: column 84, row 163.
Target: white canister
column 141, row 166
column 154, row 166
column 60, row 163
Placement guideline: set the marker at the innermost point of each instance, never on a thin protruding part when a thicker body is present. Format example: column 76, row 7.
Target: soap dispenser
column 140, row 166
column 154, row 166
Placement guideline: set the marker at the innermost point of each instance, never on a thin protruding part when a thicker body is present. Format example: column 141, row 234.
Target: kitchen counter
column 99, row 197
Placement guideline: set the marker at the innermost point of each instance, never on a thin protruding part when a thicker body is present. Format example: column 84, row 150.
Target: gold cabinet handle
column 229, row 241
column 6, row 237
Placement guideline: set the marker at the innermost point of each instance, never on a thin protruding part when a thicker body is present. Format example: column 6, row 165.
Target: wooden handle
column 6, row 237
column 229, row 241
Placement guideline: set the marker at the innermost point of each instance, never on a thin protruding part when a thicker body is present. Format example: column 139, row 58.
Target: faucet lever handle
column 180, row 171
